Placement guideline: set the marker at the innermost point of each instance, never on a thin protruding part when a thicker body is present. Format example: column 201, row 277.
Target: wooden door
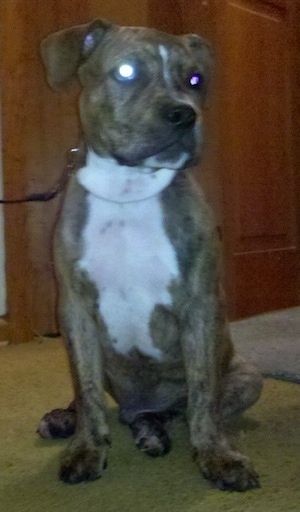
column 38, row 127
column 258, row 152
column 249, row 170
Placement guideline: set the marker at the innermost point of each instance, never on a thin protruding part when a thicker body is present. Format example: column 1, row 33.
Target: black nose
column 179, row 115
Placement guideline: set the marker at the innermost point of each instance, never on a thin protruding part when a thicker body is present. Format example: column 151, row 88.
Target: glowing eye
column 126, row 72
column 196, row 80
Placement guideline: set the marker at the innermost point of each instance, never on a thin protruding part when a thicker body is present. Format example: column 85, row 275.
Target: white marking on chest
column 129, row 257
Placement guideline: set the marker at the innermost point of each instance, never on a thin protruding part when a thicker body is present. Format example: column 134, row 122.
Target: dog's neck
column 106, row 179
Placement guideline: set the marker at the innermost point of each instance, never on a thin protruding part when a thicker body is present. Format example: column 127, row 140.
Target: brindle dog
column 137, row 257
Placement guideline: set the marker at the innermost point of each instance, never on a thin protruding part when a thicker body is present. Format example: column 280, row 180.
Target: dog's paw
column 150, row 435
column 82, row 461
column 153, row 445
column 57, row 424
column 229, row 472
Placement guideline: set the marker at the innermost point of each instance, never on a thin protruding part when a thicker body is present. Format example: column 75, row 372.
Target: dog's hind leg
column 241, row 388
column 58, row 423
column 150, row 434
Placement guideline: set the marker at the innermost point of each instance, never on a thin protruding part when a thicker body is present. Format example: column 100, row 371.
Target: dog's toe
column 82, row 462
column 231, row 473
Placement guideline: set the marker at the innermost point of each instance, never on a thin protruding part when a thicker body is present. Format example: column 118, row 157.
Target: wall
column 2, row 253
column 38, row 128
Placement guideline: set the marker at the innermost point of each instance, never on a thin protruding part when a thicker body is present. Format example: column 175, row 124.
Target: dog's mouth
column 175, row 155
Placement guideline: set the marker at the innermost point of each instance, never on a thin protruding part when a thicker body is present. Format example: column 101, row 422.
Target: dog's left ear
column 204, row 54
column 63, row 52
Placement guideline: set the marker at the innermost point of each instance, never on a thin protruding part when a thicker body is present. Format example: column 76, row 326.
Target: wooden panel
column 258, row 162
column 166, row 15
column 294, row 19
column 199, row 18
column 5, row 330
column 260, row 112
column 39, row 127
column 261, row 281
column 262, row 5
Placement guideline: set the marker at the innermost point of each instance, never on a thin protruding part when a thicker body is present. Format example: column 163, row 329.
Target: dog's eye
column 195, row 80
column 126, row 72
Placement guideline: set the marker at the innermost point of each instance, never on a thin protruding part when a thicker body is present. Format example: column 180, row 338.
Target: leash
column 75, row 159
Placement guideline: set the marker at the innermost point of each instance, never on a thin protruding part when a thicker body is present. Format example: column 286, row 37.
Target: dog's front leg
column 86, row 456
column 203, row 348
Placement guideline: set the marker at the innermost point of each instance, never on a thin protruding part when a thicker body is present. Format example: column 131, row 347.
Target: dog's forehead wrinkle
column 165, row 55
column 145, row 36
column 141, row 41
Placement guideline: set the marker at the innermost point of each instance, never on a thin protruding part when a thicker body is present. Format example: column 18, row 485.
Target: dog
column 137, row 257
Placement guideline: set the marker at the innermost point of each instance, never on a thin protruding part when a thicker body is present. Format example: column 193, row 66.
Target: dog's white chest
column 130, row 259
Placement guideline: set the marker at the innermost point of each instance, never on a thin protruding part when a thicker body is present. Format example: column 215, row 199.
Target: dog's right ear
column 64, row 51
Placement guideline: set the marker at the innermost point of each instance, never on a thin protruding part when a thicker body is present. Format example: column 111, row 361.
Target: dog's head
column 142, row 90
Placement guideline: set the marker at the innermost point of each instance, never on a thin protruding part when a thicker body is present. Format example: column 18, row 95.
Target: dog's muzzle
column 172, row 141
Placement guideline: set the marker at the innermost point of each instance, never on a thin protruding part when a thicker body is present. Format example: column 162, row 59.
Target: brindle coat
column 200, row 372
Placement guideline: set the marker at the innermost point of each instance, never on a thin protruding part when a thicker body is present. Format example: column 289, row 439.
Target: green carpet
column 34, row 379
